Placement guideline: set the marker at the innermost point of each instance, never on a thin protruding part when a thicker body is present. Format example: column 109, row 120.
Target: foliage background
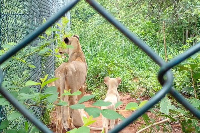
column 109, row 53
column 169, row 27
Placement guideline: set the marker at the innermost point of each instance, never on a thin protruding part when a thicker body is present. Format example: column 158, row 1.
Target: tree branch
column 154, row 124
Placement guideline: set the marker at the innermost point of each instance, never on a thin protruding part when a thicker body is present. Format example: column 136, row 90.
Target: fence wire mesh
column 18, row 19
column 164, row 66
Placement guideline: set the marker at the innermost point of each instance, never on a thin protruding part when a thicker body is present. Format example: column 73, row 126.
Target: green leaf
column 4, row 102
column 62, row 103
column 11, row 131
column 42, row 37
column 24, row 96
column 58, row 56
column 44, row 51
column 111, row 114
column 132, row 106
column 181, row 111
column 21, row 131
column 30, row 83
column 101, row 103
column 14, row 93
column 26, row 126
column 52, row 98
column 71, row 94
column 44, row 79
column 54, row 29
column 165, row 105
column 193, row 66
column 146, row 118
column 50, row 30
column 196, row 76
column 69, row 46
column 64, row 20
column 13, row 116
column 76, row 93
column 31, row 66
column 88, row 121
column 4, row 124
column 50, row 90
column 58, row 24
column 95, row 112
column 48, row 81
column 187, row 126
column 183, row 68
column 118, row 104
column 25, row 90
column 142, row 103
column 83, row 129
column 77, row 106
column 67, row 93
column 195, row 102
column 73, row 130
column 44, row 96
column 195, row 123
column 86, row 98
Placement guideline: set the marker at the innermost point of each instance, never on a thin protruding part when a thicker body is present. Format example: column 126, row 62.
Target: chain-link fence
column 18, row 19
column 164, row 67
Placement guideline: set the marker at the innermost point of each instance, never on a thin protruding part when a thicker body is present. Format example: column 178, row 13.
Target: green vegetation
column 168, row 27
column 38, row 97
column 109, row 53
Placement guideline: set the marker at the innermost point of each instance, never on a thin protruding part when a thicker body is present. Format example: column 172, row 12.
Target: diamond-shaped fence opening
column 164, row 66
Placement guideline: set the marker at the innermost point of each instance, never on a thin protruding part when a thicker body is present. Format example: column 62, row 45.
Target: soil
column 132, row 128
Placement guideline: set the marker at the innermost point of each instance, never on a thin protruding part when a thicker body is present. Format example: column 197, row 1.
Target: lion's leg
column 66, row 115
column 105, row 123
column 77, row 114
column 59, row 125
column 112, row 124
column 117, row 120
column 71, row 102
column 62, row 111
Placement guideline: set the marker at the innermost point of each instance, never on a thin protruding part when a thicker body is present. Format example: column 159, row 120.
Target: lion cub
column 113, row 97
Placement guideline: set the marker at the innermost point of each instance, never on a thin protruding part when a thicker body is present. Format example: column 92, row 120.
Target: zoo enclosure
column 164, row 67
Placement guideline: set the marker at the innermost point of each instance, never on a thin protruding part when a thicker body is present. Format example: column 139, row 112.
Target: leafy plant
column 173, row 113
column 30, row 96
column 24, row 61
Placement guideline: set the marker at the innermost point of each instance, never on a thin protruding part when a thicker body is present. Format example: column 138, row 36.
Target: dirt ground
column 132, row 128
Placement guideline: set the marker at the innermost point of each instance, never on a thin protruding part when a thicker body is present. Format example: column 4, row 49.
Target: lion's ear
column 118, row 80
column 106, row 79
column 76, row 36
column 66, row 40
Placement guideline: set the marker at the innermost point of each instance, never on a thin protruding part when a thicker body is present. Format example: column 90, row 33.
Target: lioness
column 113, row 97
column 72, row 76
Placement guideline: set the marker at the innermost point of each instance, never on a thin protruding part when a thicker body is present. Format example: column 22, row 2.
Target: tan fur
column 113, row 97
column 72, row 76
